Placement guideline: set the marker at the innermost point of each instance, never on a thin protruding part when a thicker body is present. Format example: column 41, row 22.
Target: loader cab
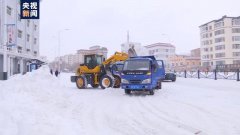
column 93, row 60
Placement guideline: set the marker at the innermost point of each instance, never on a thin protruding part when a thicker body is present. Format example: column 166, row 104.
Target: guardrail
column 210, row 74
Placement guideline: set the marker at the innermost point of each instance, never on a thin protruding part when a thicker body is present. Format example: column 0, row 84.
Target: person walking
column 51, row 71
column 56, row 73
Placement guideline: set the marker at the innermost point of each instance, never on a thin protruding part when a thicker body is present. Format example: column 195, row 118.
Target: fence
column 210, row 75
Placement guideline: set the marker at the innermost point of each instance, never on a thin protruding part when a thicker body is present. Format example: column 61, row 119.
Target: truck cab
column 142, row 73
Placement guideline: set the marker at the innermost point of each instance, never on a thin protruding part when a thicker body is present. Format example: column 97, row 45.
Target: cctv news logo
column 29, row 9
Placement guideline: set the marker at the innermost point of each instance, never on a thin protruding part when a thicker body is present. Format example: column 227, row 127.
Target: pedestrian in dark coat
column 56, row 73
column 51, row 71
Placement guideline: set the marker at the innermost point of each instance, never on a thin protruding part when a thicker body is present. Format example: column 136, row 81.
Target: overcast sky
column 105, row 23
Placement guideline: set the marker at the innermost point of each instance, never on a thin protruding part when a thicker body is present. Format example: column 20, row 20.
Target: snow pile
column 32, row 103
column 38, row 103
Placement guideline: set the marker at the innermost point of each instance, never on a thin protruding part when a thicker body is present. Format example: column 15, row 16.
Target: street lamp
column 59, row 44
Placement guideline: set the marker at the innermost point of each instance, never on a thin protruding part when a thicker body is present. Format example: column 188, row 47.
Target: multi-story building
column 220, row 42
column 92, row 50
column 184, row 62
column 24, row 36
column 161, row 51
column 78, row 58
column 135, row 47
column 196, row 52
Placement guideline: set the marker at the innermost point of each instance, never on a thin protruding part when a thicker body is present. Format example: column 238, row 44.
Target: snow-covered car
column 170, row 76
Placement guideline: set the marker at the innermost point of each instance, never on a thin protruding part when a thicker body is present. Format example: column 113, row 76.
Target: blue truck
column 142, row 73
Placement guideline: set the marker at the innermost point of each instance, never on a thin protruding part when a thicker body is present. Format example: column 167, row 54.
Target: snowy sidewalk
column 41, row 104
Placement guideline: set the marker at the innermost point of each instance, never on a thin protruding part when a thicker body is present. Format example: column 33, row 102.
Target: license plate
column 134, row 87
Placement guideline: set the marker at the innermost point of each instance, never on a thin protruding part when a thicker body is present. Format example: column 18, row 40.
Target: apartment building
column 220, row 42
column 196, row 52
column 24, row 36
column 183, row 62
column 71, row 60
column 161, row 51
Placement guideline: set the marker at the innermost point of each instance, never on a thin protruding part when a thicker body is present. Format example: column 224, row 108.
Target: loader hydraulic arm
column 118, row 56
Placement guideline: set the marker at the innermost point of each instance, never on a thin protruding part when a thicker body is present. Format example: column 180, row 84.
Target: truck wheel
column 127, row 91
column 106, row 82
column 151, row 92
column 160, row 85
column 80, row 82
column 117, row 82
column 174, row 80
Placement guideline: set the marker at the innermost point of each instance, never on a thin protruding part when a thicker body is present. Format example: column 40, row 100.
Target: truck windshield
column 136, row 65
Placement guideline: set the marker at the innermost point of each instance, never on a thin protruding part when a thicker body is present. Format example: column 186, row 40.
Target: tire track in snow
column 164, row 117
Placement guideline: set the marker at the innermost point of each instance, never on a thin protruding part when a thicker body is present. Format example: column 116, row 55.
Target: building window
column 205, row 42
column 219, row 55
column 204, row 28
column 205, row 63
column 211, row 49
column 236, row 30
column 219, row 32
column 28, row 37
column 236, row 46
column 210, row 27
column 35, row 40
column 19, row 34
column 35, row 27
column 19, row 18
column 205, row 49
column 205, row 35
column 220, row 47
column 205, row 56
column 219, row 24
column 221, row 39
column 220, row 62
column 28, row 23
column 236, row 22
column 236, row 54
column 9, row 10
column 236, row 61
column 210, row 34
column 236, row 38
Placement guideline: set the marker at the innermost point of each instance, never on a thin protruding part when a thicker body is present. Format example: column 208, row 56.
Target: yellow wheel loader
column 96, row 71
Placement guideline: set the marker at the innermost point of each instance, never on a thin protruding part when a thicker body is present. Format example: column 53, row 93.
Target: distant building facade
column 70, row 61
column 220, row 42
column 183, row 62
column 19, row 40
column 137, row 47
column 161, row 51
column 196, row 52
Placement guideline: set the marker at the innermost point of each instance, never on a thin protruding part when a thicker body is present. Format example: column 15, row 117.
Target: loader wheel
column 117, row 83
column 106, row 82
column 80, row 82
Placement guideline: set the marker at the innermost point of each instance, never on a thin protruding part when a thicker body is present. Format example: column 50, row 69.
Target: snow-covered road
column 41, row 104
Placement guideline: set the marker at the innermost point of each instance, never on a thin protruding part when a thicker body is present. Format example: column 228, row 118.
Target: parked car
column 170, row 76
